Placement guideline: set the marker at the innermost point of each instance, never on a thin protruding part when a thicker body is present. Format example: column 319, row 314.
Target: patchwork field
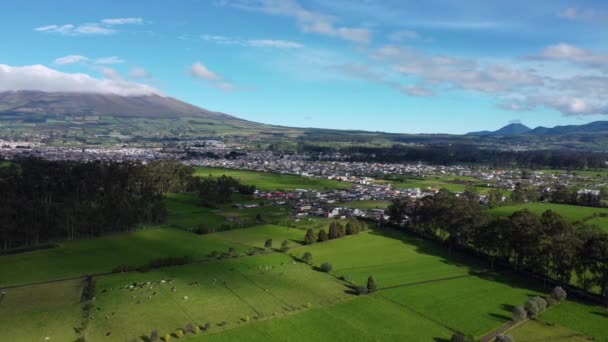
column 588, row 319
column 538, row 331
column 366, row 204
column 571, row 212
column 392, row 259
column 33, row 313
column 271, row 181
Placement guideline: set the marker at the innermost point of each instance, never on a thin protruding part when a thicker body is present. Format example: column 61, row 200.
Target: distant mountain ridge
column 517, row 129
column 95, row 104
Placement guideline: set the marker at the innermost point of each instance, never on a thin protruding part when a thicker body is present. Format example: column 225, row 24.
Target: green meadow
column 573, row 213
column 366, row 204
column 272, row 181
column 539, row 331
column 588, row 319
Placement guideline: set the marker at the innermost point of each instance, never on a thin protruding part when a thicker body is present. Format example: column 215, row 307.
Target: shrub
column 504, row 338
column 361, row 290
column 232, row 252
column 519, row 314
column 207, row 326
column 535, row 306
column 327, row 267
column 154, row 336
column 123, row 268
column 559, row 294
column 268, row 243
column 459, row 338
column 167, row 337
column 285, row 246
column 323, row 235
column 203, row 229
column 371, row 284
column 310, row 237
column 189, row 328
column 346, row 278
column 196, row 329
column 179, row 333
column 307, row 257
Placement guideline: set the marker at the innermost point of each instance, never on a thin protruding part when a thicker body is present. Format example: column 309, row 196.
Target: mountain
column 28, row 103
column 508, row 130
column 590, row 128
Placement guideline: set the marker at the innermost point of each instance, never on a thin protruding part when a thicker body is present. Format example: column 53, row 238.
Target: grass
column 366, row 204
column 588, row 319
column 267, row 181
column 76, row 258
column 538, row 331
column 451, row 183
column 232, row 291
column 256, row 237
column 572, row 213
column 472, row 305
column 35, row 312
column 369, row 318
column 392, row 259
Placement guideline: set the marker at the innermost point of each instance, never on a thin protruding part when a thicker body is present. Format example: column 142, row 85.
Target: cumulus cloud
column 70, row 59
column 105, row 27
column 569, row 53
column 200, row 71
column 308, row 21
column 42, row 78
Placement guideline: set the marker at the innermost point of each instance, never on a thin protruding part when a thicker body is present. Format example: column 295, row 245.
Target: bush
column 309, row 238
column 361, row 290
column 327, row 267
column 167, row 337
column 307, row 257
column 189, row 328
column 559, row 294
column 323, row 235
column 196, row 329
column 285, row 246
column 459, row 338
column 371, row 284
column 123, row 268
column 154, row 336
column 535, row 306
column 268, row 243
column 179, row 333
column 519, row 314
column 504, row 338
column 207, row 326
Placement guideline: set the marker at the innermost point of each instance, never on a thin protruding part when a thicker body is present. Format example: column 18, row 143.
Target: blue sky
column 398, row 66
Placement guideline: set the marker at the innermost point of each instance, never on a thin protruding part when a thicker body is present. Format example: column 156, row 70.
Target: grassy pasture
column 271, row 181
column 235, row 291
column 451, row 183
column 392, row 260
column 474, row 305
column 571, row 212
column 33, row 313
column 538, row 331
column 588, row 319
column 369, row 318
column 256, row 237
column 76, row 258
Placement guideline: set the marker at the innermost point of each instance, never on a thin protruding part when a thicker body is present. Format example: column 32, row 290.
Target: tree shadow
column 499, row 316
column 507, row 307
column 144, row 338
column 441, row 339
column 600, row 313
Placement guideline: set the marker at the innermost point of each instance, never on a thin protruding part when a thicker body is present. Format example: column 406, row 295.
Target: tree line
column 45, row 201
column 545, row 244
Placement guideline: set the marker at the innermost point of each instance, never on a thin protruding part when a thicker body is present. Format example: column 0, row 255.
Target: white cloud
column 272, row 43
column 569, row 53
column 139, row 73
column 101, row 28
column 109, row 60
column 111, row 74
column 42, row 78
column 70, row 59
column 309, row 21
column 122, row 21
column 200, row 71
column 404, row 35
column 280, row 44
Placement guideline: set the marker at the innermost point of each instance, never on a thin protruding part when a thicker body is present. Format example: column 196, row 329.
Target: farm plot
column 368, row 318
column 98, row 255
column 588, row 319
column 392, row 259
column 34, row 313
column 539, row 331
column 272, row 181
column 472, row 305
column 257, row 236
column 572, row 213
column 224, row 294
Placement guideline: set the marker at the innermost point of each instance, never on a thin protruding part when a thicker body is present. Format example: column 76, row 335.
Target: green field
column 571, row 212
column 538, row 331
column 34, row 312
column 272, row 181
column 451, row 183
column 588, row 319
column 77, row 258
column 392, row 259
column 370, row 318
